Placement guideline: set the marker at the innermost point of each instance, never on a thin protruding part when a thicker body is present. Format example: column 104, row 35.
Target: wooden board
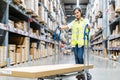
column 42, row 71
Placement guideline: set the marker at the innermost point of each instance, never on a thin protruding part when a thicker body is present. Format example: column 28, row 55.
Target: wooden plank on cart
column 43, row 71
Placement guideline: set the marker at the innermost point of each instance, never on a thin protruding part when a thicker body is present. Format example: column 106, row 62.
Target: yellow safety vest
column 77, row 36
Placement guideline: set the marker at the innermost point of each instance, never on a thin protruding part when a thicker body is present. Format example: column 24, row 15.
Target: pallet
column 118, row 10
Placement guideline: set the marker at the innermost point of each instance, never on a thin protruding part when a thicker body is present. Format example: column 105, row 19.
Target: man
column 77, row 37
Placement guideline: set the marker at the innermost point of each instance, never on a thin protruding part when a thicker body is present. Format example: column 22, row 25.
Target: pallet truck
column 52, row 72
column 85, row 75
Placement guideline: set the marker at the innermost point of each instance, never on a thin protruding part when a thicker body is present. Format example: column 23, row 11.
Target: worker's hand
column 60, row 27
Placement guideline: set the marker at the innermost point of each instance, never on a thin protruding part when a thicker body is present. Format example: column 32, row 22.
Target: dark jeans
column 78, row 52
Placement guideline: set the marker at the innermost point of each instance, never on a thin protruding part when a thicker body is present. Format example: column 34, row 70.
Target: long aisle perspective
column 104, row 69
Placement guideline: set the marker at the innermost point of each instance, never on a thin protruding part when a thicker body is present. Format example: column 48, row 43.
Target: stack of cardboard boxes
column 3, row 56
column 33, row 50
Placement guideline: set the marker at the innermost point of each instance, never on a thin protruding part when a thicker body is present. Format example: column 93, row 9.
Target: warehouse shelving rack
column 98, row 42
column 12, row 11
column 99, row 39
column 114, row 40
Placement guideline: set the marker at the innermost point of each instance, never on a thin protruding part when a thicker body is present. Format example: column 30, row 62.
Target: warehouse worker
column 77, row 40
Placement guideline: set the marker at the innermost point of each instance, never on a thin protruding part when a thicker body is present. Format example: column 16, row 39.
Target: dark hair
column 79, row 9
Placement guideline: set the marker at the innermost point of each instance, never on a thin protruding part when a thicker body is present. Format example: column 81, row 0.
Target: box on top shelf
column 111, row 12
column 29, row 6
column 51, row 7
column 17, row 1
column 45, row 2
column 41, row 13
column 36, row 7
column 117, row 7
column 20, row 3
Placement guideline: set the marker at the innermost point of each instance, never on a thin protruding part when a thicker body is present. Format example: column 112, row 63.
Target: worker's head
column 77, row 12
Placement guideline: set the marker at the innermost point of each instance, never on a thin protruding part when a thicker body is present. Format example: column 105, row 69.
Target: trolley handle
column 57, row 37
column 86, row 34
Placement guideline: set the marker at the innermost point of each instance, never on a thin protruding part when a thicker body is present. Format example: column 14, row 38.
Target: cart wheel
column 89, row 76
column 80, row 77
column 40, row 79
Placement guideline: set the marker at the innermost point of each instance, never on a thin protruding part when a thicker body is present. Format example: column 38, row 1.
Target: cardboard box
column 3, row 52
column 19, row 25
column 21, row 50
column 33, row 45
column 12, row 57
column 41, row 13
column 26, row 43
column 36, row 32
column 46, row 17
column 51, row 6
column 33, row 52
column 18, row 2
column 29, row 5
column 46, row 3
column 11, row 47
column 25, row 26
column 18, row 57
column 117, row 6
column 11, row 23
column 36, row 7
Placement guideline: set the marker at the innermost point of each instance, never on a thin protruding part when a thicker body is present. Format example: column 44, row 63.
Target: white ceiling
column 70, row 4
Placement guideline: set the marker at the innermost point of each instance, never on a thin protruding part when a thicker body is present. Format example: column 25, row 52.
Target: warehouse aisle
column 104, row 69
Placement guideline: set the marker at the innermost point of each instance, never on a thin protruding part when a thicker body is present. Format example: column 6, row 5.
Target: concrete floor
column 104, row 69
